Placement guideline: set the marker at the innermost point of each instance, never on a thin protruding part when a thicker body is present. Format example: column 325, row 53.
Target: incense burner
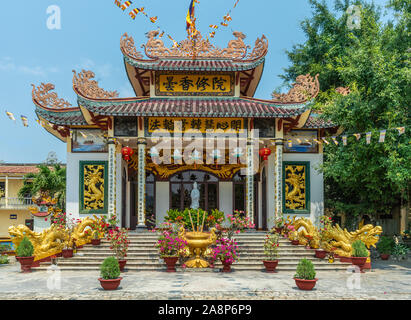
column 198, row 242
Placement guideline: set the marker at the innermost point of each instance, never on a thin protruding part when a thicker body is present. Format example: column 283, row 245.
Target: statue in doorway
column 195, row 197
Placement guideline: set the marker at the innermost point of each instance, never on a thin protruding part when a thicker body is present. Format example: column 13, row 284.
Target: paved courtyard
column 387, row 280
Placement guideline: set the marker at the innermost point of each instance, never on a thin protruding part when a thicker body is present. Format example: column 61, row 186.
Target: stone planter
column 321, row 254
column 67, row 253
column 122, row 264
column 384, row 256
column 305, row 284
column 110, row 284
column 226, row 267
column 25, row 263
column 359, row 261
column 270, row 266
column 171, row 263
column 95, row 242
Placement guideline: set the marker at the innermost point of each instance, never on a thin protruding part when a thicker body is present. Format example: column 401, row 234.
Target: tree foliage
column 374, row 62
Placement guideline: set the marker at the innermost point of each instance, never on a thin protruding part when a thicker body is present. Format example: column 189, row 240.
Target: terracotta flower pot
column 25, row 263
column 95, row 242
column 122, row 264
column 171, row 263
column 305, row 284
column 67, row 253
column 321, row 254
column 110, row 284
column 279, row 230
column 226, row 266
column 295, row 242
column 59, row 255
column 384, row 256
column 270, row 265
column 359, row 261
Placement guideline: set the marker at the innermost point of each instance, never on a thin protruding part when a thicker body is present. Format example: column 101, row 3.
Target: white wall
column 162, row 200
column 316, row 183
column 270, row 170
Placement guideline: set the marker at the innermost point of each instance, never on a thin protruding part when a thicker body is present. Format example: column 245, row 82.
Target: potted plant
column 225, row 250
column 110, row 274
column 95, row 241
column 323, row 231
column 279, row 225
column 292, row 235
column 238, row 222
column 119, row 244
column 170, row 246
column 359, row 254
column 271, row 245
column 385, row 247
column 113, row 222
column 305, row 275
column 24, row 255
column 400, row 250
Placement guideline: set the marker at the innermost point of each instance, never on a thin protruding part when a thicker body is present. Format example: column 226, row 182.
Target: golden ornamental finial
column 44, row 97
column 90, row 88
column 305, row 88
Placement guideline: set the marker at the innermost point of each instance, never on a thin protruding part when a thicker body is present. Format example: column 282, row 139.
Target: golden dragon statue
column 305, row 232
column 340, row 240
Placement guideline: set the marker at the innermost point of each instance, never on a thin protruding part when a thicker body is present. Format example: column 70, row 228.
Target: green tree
column 373, row 61
column 49, row 181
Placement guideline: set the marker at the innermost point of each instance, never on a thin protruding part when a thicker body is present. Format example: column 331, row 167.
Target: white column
column 6, row 192
column 111, row 177
column 250, row 181
column 141, row 183
column 278, row 173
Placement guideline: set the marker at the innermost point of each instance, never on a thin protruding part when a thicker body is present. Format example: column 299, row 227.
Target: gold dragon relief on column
column 94, row 187
column 295, row 187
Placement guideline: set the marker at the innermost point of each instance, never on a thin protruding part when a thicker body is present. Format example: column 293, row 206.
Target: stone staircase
column 143, row 256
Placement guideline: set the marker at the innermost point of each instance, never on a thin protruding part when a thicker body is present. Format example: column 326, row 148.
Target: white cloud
column 7, row 64
column 101, row 71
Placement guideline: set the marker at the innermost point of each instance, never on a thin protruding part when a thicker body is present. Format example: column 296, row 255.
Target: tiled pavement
column 387, row 280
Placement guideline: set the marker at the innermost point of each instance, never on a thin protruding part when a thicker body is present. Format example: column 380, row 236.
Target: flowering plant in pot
column 271, row 245
column 119, row 244
column 359, row 254
column 385, row 247
column 279, row 224
column 170, row 247
column 226, row 251
column 292, row 235
column 95, row 241
column 305, row 275
column 238, row 222
column 113, row 221
column 110, row 274
column 24, row 254
column 323, row 231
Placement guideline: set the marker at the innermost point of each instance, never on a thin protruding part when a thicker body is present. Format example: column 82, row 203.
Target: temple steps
column 143, row 256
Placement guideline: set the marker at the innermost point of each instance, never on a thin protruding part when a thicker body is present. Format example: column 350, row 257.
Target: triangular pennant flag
column 344, row 139
column 84, row 136
column 325, row 140
column 25, row 121
column 298, row 140
column 11, row 116
column 308, row 141
column 318, row 141
column 382, row 135
column 401, row 130
column 290, row 143
column 368, row 137
column 357, row 135
column 335, row 140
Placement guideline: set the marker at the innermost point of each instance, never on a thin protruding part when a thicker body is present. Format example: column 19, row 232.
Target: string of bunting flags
column 134, row 12
column 344, row 138
column 226, row 19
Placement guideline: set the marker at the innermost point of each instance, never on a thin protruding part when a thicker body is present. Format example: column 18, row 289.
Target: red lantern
column 127, row 152
column 265, row 152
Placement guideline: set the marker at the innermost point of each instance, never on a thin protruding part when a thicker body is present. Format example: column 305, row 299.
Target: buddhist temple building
column 194, row 118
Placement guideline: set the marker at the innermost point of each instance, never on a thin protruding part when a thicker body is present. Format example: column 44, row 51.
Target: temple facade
column 194, row 118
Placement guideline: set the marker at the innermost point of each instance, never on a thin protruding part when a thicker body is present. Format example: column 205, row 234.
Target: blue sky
column 89, row 39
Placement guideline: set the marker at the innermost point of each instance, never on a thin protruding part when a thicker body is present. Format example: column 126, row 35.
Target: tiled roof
column 315, row 122
column 198, row 65
column 194, row 107
column 23, row 169
column 62, row 118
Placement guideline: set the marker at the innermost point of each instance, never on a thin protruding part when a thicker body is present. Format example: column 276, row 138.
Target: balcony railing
column 15, row 203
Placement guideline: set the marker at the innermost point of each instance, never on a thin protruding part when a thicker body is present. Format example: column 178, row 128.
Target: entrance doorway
column 181, row 185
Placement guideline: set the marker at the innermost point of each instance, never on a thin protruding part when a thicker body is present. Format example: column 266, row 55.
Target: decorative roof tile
column 315, row 122
column 62, row 118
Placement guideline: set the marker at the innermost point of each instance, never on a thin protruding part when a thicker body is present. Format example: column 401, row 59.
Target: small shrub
column 25, row 248
column 271, row 245
column 110, row 269
column 305, row 270
column 400, row 250
column 385, row 245
column 359, row 249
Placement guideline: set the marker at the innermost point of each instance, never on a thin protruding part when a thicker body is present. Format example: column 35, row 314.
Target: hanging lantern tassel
column 265, row 153
column 127, row 152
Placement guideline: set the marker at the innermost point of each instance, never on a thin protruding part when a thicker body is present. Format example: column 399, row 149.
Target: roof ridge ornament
column 305, row 88
column 45, row 98
column 200, row 48
column 90, row 88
